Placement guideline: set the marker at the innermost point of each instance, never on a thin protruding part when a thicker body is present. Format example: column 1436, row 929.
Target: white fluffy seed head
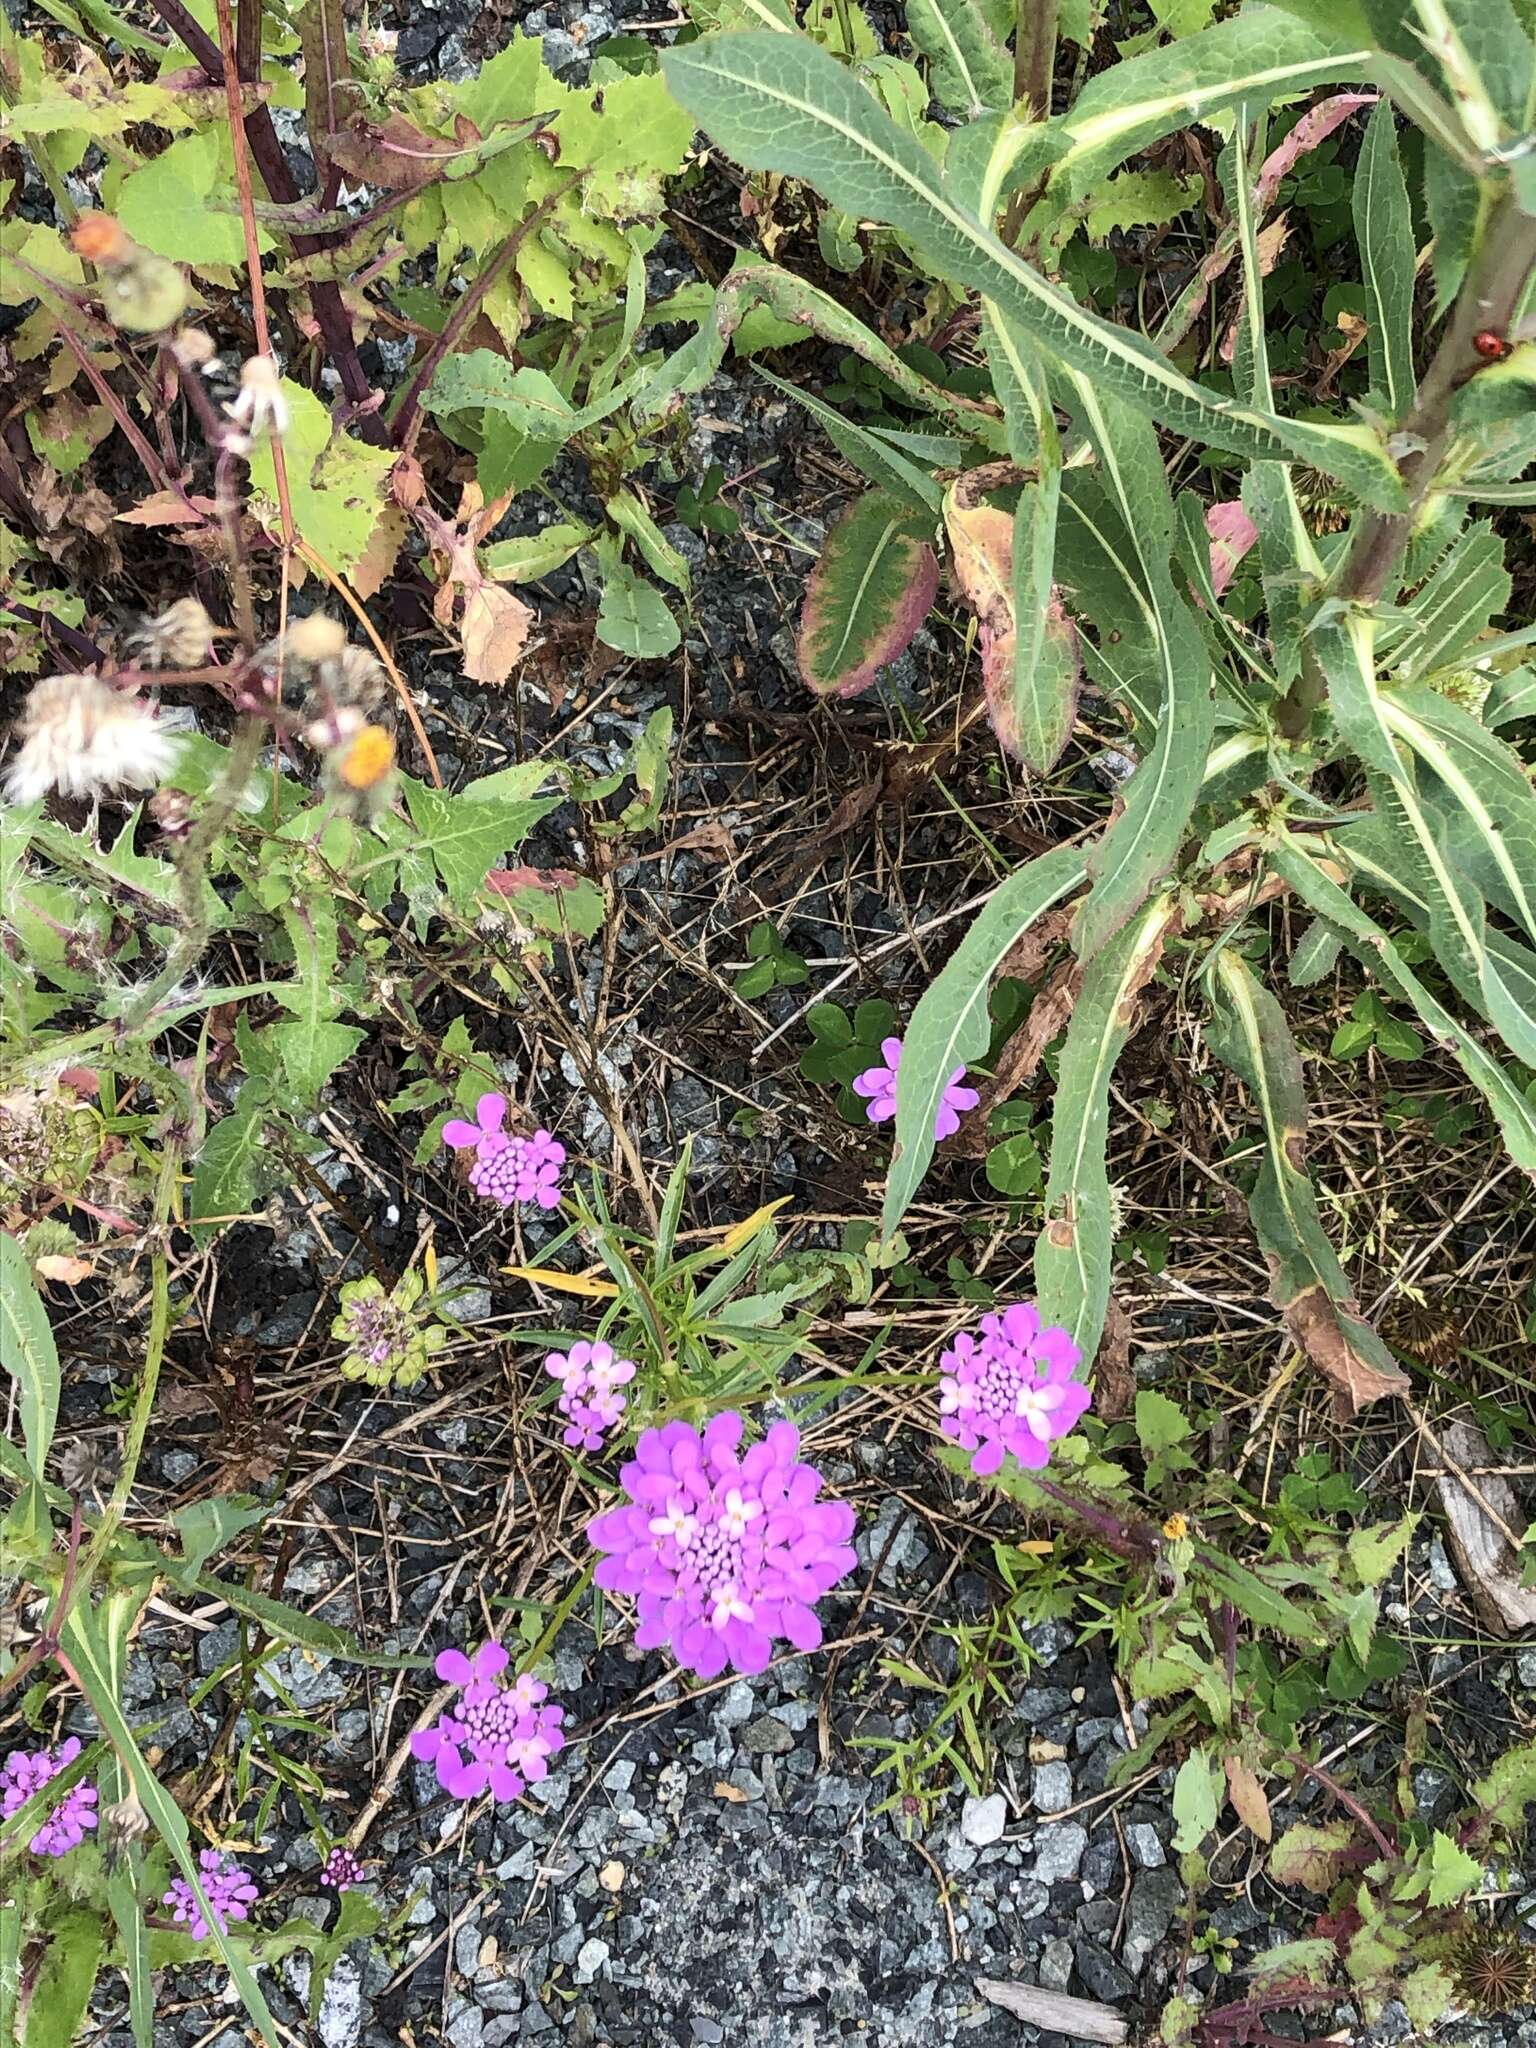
column 80, row 737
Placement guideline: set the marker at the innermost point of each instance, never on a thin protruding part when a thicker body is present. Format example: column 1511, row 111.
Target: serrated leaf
column 1314, row 956
column 1311, row 1854
column 225, row 1172
column 480, row 380
column 171, row 205
column 1446, row 618
column 1074, row 1250
column 778, row 103
column 1452, row 1871
column 1508, row 1789
column 870, row 590
column 968, row 67
column 1160, row 1423
column 627, row 135
column 335, row 484
column 1139, row 199
column 1374, row 1551
column 1250, row 1034
column 28, row 1353
column 1384, row 231
column 466, row 835
column 951, row 1025
column 528, row 557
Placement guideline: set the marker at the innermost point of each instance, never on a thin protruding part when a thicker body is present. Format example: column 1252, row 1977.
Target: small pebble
column 982, row 1821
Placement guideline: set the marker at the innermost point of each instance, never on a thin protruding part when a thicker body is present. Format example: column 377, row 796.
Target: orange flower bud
column 100, row 238
column 368, row 758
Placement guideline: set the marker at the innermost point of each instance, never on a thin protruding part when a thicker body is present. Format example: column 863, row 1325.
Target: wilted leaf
column 395, row 153
column 494, row 630
column 335, row 484
column 984, row 542
column 1249, row 1801
column 868, row 593
column 1232, row 534
column 1311, row 1854
column 1320, row 1329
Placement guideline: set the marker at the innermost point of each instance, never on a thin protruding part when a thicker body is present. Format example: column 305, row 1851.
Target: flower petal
column 453, row 1667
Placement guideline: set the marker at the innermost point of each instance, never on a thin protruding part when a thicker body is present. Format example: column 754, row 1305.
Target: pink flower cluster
column 590, row 1378
column 27, row 1771
column 230, row 1892
column 877, row 1085
column 342, row 1869
column 723, row 1555
column 1010, row 1389
column 496, row 1737
column 509, row 1171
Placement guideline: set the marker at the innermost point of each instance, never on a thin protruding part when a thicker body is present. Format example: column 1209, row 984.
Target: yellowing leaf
column 336, row 486
column 1249, row 1801
column 564, row 1283
column 743, row 1232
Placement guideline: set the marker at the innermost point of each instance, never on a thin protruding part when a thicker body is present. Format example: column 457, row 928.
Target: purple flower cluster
column 342, row 1869
column 877, row 1085
column 27, row 1771
column 1010, row 1389
column 723, row 1555
column 590, row 1378
column 508, row 1732
column 507, row 1170
column 230, row 1892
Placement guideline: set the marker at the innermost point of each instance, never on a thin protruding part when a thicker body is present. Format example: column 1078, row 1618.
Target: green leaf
column 133, row 1938
column 480, row 380
column 1508, row 1789
column 872, row 454
column 82, row 1644
column 1374, row 1551
column 207, row 1525
column 1385, row 234
column 467, row 835
column 1314, row 956
column 1160, row 1423
column 335, row 484
column 28, row 1353
column 777, row 103
column 868, row 593
column 1452, row 1871
column 528, row 556
column 225, row 1172
column 968, row 68
column 951, row 1025
column 169, row 205
column 1296, row 860
column 77, row 1942
column 661, row 558
column 1452, row 611
column 1073, row 1252
column 1015, row 1167
column 1140, row 846
column 1197, row 1795
column 1250, row 1034
column 633, row 616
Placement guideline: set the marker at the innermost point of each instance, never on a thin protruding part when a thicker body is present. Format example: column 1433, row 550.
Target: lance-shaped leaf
column 1307, row 1283
column 1073, row 1252
column 870, row 590
column 778, row 103
column 1454, row 608
column 1384, row 231
column 1458, row 920
column 1296, row 860
column 951, row 1025
column 968, row 68
column 1141, row 844
column 1029, row 654
column 28, row 1353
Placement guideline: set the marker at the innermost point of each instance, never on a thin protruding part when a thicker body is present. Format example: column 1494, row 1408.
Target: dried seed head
column 1429, row 1332
column 335, row 728
column 89, row 1468
column 143, row 292
column 356, row 677
column 171, row 810
column 81, row 737
column 181, row 637
column 1494, row 1970
column 314, row 639
column 193, row 349
column 126, row 1822
column 261, row 407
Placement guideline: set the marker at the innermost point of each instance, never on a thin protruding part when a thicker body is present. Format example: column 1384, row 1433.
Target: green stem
column 1034, row 56
column 1490, row 299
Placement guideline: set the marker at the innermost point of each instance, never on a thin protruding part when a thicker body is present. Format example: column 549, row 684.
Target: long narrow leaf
column 28, row 1353
column 1307, row 1282
column 1073, row 1252
column 781, row 104
column 1384, row 231
column 1296, row 861
column 951, row 1024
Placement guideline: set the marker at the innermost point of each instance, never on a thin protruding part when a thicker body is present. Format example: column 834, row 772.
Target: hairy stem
column 1490, row 298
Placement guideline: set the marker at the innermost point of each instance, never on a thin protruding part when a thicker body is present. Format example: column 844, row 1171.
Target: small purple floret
column 590, row 1378
column 1010, row 1389
column 723, row 1556
column 877, row 1085
column 342, row 1869
column 231, row 1893
column 27, row 1771
column 495, row 1737
column 507, row 1170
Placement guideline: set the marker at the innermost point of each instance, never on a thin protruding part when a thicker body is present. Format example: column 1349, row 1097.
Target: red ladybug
column 1493, row 348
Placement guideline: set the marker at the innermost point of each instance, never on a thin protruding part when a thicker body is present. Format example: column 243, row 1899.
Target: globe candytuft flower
column 1009, row 1389
column 497, row 1738
column 387, row 1340
column 877, row 1085
column 507, row 1170
column 590, row 1377
column 724, row 1555
column 230, row 1891
column 27, row 1771
column 80, row 736
column 342, row 1869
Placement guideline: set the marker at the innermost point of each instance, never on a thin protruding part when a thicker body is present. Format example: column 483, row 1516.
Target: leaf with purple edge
column 867, row 596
